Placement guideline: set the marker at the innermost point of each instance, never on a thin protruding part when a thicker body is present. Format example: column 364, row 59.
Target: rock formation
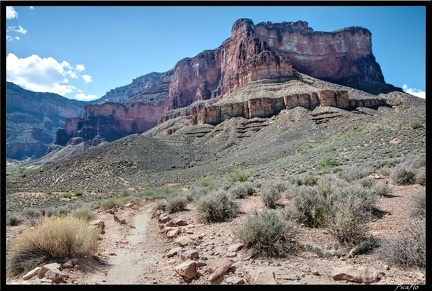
column 265, row 51
column 33, row 118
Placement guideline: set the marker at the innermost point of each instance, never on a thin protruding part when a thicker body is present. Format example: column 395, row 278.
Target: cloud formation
column 20, row 29
column 84, row 97
column 43, row 74
column 413, row 91
column 87, row 78
column 11, row 13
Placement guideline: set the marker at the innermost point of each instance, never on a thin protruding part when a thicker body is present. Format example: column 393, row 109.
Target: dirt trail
column 128, row 251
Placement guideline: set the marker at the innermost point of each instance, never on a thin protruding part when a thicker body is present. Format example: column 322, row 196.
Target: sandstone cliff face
column 252, row 53
column 110, row 121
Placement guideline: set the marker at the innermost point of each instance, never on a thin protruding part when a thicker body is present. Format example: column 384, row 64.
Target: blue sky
column 82, row 52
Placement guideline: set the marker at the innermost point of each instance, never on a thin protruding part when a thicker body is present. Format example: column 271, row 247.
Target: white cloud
column 13, row 28
column 21, row 30
column 84, row 97
column 79, row 67
column 31, row 7
column 11, row 13
column 40, row 74
column 87, row 78
column 413, row 91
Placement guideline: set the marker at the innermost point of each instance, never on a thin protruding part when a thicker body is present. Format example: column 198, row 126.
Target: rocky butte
column 203, row 87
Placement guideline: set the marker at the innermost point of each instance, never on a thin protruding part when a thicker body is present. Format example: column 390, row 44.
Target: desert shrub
column 405, row 251
column 160, row 205
column 111, row 203
column 241, row 190
column 67, row 195
column 176, row 204
column 216, row 207
column 48, row 191
column 352, row 208
column 147, row 191
column 382, row 189
column 159, row 193
column 420, row 177
column 208, row 181
column 268, row 234
column 53, row 238
column 125, row 193
column 239, row 176
column 355, row 173
column 270, row 195
column 419, row 204
column 14, row 219
column 310, row 180
column 383, row 171
column 327, row 162
column 416, row 125
column 84, row 213
column 279, row 185
column 314, row 204
column 78, row 192
column 403, row 175
column 31, row 213
column 366, row 182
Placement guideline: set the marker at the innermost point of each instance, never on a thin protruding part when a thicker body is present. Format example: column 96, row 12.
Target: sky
column 82, row 52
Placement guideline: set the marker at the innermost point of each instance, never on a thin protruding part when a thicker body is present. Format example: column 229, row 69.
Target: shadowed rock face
column 252, row 53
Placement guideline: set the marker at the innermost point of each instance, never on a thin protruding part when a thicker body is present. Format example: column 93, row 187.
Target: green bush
column 270, row 195
column 416, row 125
column 239, row 176
column 208, row 181
column 268, row 234
column 327, row 162
column 216, row 207
column 53, row 238
column 78, row 192
column 176, row 204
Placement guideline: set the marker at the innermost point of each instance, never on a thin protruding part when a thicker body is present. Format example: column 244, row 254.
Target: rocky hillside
column 32, row 120
column 203, row 87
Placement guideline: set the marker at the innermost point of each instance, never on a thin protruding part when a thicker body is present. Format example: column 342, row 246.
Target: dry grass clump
column 268, row 234
column 52, row 238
